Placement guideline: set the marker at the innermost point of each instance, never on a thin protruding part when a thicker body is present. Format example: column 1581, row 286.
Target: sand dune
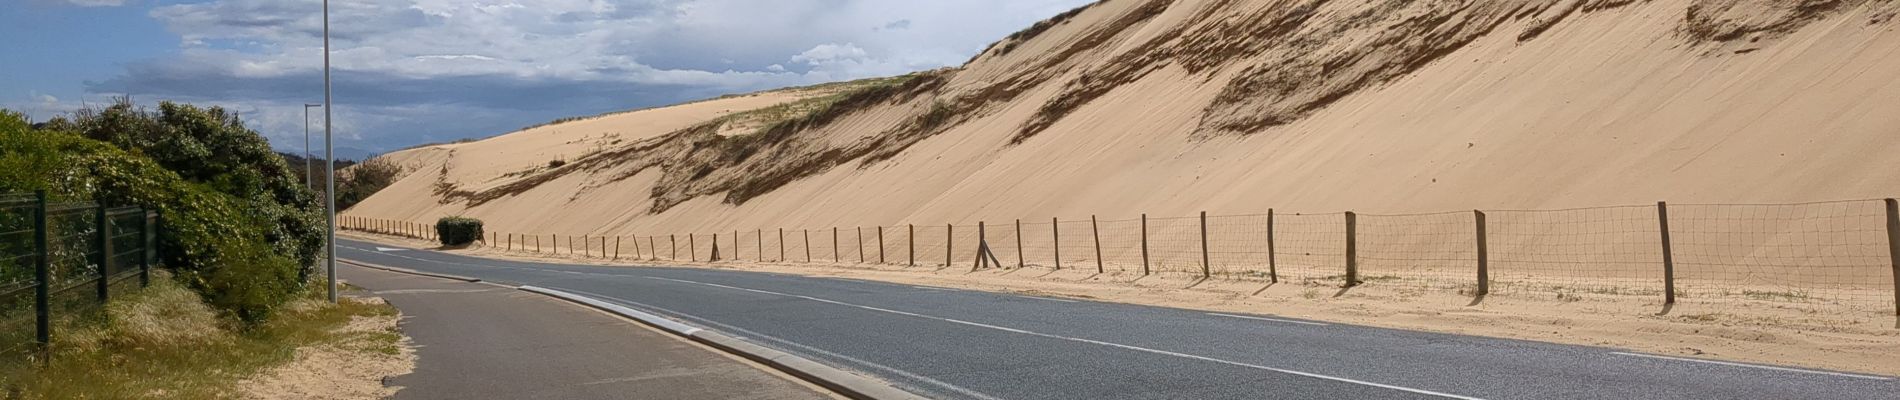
column 1175, row 107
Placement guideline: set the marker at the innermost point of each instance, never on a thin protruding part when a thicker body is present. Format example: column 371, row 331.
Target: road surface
column 477, row 341
column 978, row 345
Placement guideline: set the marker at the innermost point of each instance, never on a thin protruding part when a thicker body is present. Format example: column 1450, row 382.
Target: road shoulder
column 478, row 340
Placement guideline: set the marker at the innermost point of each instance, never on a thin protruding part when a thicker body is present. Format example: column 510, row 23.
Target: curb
column 846, row 383
column 409, row 271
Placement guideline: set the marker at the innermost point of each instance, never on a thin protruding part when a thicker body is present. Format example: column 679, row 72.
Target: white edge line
column 1268, row 319
column 1048, row 298
column 1734, row 364
column 814, row 350
column 662, row 322
column 1102, row 343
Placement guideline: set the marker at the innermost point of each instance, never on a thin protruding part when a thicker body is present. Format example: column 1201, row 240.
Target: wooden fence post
column 1207, row 270
column 880, row 244
column 673, row 244
column 1893, row 252
column 911, row 239
column 982, row 241
column 834, row 247
column 807, row 233
column 1352, row 249
column 1484, row 255
column 692, row 247
column 860, row 245
column 1096, row 230
column 1144, row 245
column 616, row 247
column 949, row 235
column 1273, row 265
column 653, row 247
column 735, row 245
column 1020, row 264
column 758, row 238
column 714, row 256
column 1669, row 257
column 1055, row 228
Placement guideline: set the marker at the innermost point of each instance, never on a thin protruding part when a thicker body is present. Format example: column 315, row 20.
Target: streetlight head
column 312, row 105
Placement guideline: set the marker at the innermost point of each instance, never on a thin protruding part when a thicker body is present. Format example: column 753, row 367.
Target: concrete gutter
column 844, row 382
column 409, row 271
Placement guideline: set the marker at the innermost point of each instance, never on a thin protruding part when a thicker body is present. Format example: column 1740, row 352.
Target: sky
column 409, row 72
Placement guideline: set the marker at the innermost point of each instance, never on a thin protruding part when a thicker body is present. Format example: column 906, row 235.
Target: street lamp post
column 309, row 165
column 329, row 158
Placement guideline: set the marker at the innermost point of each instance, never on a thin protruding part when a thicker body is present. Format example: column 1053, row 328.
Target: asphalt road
column 477, row 341
column 966, row 344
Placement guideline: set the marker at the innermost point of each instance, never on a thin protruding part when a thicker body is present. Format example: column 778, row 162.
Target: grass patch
column 164, row 342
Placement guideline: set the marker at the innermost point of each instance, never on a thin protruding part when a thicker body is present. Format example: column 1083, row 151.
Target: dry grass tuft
column 163, row 341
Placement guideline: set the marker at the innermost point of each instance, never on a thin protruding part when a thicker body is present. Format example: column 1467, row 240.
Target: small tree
column 458, row 231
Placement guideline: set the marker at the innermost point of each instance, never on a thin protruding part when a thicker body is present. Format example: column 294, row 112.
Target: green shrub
column 458, row 231
column 211, row 147
column 239, row 254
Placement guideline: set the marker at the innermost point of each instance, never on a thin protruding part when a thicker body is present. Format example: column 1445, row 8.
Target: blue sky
column 418, row 71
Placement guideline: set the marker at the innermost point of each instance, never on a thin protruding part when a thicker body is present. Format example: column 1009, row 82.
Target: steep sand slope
column 1173, row 107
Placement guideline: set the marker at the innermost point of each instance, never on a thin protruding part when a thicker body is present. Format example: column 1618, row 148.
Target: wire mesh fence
column 1608, row 250
column 1835, row 252
column 63, row 262
column 1432, row 251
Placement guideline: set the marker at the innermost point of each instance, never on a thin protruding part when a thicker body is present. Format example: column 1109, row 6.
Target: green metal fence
column 66, row 258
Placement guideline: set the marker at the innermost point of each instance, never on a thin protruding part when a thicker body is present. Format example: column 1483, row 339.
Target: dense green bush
column 238, row 253
column 458, row 231
column 210, row 146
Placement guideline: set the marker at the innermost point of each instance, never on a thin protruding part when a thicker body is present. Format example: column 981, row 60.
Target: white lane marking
column 1049, row 299
column 934, row 288
column 1267, row 319
column 787, row 343
column 434, row 291
column 1115, row 345
column 1732, row 364
column 388, row 249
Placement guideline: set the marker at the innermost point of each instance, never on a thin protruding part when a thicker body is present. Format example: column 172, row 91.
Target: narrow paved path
column 980, row 345
column 477, row 341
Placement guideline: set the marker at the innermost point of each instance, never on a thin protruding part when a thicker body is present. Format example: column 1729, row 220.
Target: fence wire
column 1795, row 252
column 1429, row 251
column 1609, row 250
column 1310, row 249
column 1810, row 252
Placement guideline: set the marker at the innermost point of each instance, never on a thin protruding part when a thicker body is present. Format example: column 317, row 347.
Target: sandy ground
column 1823, row 336
column 350, row 369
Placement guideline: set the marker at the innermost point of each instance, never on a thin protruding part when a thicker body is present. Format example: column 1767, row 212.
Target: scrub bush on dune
column 458, row 231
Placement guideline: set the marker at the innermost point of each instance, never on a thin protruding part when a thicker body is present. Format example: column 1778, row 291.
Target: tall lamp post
column 309, row 164
column 329, row 158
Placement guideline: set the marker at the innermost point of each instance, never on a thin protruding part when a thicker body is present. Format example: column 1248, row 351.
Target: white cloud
column 96, row 3
column 831, row 53
column 518, row 62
